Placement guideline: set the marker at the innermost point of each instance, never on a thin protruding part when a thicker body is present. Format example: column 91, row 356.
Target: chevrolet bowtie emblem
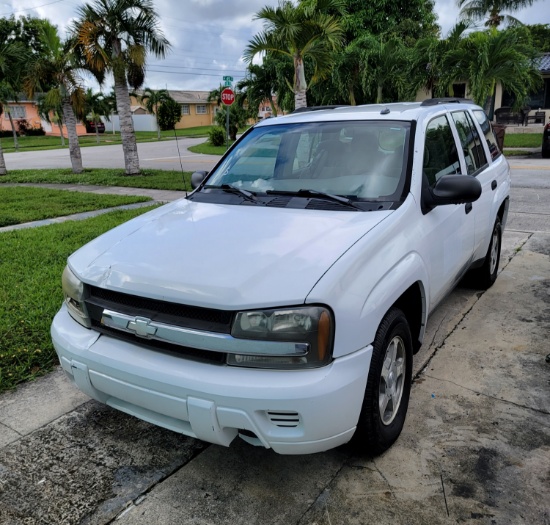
column 142, row 327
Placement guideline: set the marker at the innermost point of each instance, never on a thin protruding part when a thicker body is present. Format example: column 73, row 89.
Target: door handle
column 468, row 207
column 494, row 185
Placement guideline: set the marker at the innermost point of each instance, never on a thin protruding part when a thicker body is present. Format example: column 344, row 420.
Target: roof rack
column 446, row 100
column 318, row 108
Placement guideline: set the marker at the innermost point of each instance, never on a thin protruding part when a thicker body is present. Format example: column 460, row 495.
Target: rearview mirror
column 452, row 189
column 197, row 177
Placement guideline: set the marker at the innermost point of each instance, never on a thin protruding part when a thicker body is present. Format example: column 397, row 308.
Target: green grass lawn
column 31, row 263
column 105, row 139
column 152, row 179
column 523, row 140
column 207, row 149
column 24, row 204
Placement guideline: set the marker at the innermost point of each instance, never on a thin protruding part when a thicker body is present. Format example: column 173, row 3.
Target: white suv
column 283, row 300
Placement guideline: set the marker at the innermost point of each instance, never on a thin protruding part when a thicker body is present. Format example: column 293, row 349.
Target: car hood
column 222, row 256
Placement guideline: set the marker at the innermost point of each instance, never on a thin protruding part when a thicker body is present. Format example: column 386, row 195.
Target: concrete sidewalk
column 157, row 196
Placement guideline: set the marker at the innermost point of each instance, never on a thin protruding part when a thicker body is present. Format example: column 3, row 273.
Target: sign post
column 228, row 97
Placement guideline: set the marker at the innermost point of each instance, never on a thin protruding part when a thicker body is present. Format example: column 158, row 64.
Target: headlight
column 73, row 290
column 310, row 328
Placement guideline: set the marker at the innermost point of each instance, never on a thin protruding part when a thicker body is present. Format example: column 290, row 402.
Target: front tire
column 388, row 386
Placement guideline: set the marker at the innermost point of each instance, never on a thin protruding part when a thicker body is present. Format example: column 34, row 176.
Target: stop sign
column 228, row 97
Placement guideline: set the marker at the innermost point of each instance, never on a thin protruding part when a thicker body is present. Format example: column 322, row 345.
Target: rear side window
column 440, row 152
column 474, row 154
column 488, row 132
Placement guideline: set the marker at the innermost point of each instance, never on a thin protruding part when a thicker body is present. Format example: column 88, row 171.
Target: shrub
column 25, row 128
column 216, row 136
column 35, row 132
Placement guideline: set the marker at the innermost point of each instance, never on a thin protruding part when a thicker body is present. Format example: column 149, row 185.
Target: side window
column 488, row 132
column 474, row 153
column 440, row 151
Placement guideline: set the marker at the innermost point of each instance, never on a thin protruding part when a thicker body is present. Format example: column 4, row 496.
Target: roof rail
column 446, row 100
column 318, row 108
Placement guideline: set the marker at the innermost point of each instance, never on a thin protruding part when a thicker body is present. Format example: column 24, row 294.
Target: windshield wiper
column 321, row 194
column 247, row 195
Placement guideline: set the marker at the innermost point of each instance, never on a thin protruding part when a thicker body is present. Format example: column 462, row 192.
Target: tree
column 384, row 67
column 12, row 56
column 25, row 30
column 299, row 32
column 58, row 69
column 116, row 36
column 368, row 28
column 52, row 113
column 169, row 114
column 492, row 10
column 95, row 107
column 487, row 57
column 541, row 36
column 432, row 65
column 152, row 100
column 260, row 84
column 238, row 117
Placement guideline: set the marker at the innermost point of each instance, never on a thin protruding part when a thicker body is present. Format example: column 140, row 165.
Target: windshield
column 357, row 159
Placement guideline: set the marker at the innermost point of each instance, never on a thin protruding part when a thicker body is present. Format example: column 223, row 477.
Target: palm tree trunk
column 15, row 143
column 300, row 84
column 60, row 124
column 3, row 170
column 300, row 99
column 379, row 94
column 157, row 120
column 96, row 134
column 273, row 107
column 74, row 146
column 129, row 146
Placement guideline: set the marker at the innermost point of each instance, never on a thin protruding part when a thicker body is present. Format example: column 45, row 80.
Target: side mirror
column 197, row 177
column 452, row 189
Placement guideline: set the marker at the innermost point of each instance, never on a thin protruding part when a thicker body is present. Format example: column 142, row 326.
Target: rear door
column 477, row 165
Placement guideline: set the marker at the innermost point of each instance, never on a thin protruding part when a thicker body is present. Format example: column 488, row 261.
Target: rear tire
column 485, row 276
column 388, row 386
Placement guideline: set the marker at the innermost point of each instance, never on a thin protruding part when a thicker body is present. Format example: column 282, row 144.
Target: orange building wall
column 34, row 121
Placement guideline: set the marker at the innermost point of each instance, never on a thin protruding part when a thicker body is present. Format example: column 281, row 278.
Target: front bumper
column 292, row 412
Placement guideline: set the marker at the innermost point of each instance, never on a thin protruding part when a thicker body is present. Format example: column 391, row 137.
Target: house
column 196, row 110
column 27, row 110
column 265, row 110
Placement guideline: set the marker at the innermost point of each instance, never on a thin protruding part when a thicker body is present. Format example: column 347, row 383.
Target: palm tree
column 384, row 67
column 492, row 10
column 95, row 107
column 57, row 73
column 52, row 113
column 432, row 65
column 116, row 36
column 260, row 84
column 152, row 100
column 487, row 57
column 300, row 32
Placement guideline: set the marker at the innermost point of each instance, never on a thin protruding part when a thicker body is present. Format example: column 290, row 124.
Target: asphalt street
column 160, row 155
column 475, row 448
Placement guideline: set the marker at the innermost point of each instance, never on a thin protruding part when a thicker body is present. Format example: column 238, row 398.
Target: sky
column 209, row 36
